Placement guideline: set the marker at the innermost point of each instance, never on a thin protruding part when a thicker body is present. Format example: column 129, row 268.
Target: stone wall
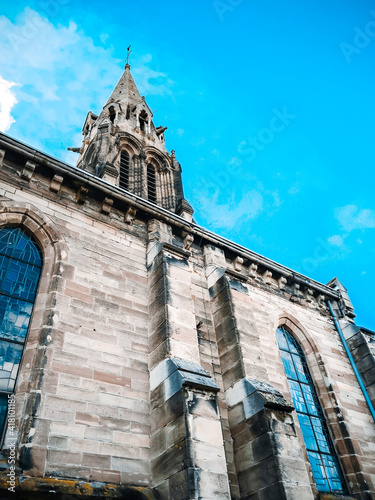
column 152, row 360
column 83, row 394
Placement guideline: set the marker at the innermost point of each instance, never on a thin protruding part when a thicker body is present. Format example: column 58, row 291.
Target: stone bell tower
column 123, row 147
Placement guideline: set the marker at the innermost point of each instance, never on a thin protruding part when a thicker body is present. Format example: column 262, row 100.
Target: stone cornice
column 153, row 211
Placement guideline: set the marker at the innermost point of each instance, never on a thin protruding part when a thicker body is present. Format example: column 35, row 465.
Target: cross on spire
column 128, row 55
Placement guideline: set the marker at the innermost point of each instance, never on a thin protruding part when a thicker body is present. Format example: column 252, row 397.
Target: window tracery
column 319, row 447
column 20, row 267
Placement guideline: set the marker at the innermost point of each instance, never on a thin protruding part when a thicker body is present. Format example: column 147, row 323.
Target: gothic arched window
column 151, row 183
column 20, row 267
column 124, row 170
column 322, row 457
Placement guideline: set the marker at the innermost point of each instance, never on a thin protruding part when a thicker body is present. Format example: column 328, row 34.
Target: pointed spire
column 126, row 90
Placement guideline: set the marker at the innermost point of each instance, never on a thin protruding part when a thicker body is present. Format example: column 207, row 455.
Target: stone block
column 207, row 430
column 214, row 256
column 175, row 431
column 177, row 486
column 168, row 463
column 166, row 413
column 203, row 405
column 63, row 457
column 263, row 447
column 259, row 476
column 213, row 486
column 96, row 461
column 244, row 457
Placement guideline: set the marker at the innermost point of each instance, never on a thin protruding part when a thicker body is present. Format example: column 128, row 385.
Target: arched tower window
column 323, row 460
column 151, row 183
column 124, row 170
column 112, row 114
column 143, row 120
column 20, row 268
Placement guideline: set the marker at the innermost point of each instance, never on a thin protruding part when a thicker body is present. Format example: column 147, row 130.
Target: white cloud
column 35, row 41
column 352, row 217
column 149, row 81
column 336, row 240
column 293, row 190
column 227, row 215
column 7, row 101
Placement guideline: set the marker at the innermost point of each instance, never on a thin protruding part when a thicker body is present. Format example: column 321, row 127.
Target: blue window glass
column 20, row 266
column 323, row 460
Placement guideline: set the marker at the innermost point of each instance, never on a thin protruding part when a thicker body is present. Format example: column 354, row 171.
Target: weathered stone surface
column 151, row 359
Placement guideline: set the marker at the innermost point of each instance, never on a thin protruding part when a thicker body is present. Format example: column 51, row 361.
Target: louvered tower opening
column 124, row 170
column 151, row 183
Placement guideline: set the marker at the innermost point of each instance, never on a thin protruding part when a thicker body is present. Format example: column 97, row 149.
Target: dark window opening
column 143, row 121
column 151, row 183
column 124, row 170
column 319, row 447
column 112, row 114
column 20, row 268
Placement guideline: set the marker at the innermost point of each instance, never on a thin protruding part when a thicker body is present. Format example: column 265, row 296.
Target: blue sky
column 269, row 106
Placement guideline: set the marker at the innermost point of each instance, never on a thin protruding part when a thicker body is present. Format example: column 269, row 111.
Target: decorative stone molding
column 309, row 295
column 212, row 241
column 267, row 277
column 2, row 154
column 56, row 183
column 188, row 241
column 214, row 256
column 28, row 170
column 175, row 250
column 253, row 269
column 255, row 396
column 238, row 276
column 106, row 206
column 296, row 292
column 82, row 195
column 237, row 263
column 321, row 300
column 130, row 215
column 177, row 373
column 282, row 281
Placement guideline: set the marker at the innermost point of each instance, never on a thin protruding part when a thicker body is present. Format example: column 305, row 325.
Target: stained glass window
column 20, row 267
column 323, row 460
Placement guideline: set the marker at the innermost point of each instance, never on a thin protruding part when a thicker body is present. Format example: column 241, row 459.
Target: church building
column 145, row 357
